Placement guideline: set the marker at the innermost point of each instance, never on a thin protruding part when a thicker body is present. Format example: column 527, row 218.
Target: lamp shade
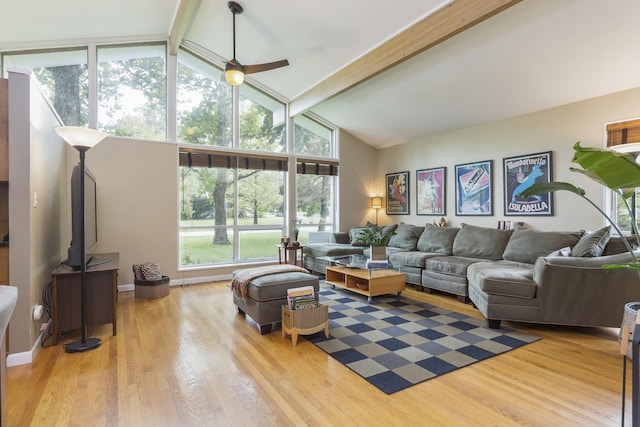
column 234, row 77
column 376, row 202
column 81, row 138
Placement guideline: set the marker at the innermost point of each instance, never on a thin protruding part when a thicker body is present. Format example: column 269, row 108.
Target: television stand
column 101, row 295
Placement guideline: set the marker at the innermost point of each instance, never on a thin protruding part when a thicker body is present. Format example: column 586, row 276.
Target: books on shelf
column 510, row 225
column 301, row 298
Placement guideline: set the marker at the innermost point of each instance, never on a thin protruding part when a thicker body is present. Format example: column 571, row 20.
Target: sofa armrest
column 579, row 291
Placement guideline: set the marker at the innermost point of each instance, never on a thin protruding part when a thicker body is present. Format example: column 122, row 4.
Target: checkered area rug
column 396, row 342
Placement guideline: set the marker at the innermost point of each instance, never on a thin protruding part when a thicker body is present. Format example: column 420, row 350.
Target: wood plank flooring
column 189, row 360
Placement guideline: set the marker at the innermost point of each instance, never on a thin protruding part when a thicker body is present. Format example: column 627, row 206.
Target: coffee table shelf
column 366, row 282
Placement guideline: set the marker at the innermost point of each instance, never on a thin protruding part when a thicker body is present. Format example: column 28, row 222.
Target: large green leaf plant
column 615, row 170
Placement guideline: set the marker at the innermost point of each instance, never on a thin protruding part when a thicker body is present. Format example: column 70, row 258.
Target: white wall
column 555, row 130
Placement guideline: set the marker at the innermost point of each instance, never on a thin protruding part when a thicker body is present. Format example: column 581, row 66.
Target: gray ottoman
column 266, row 294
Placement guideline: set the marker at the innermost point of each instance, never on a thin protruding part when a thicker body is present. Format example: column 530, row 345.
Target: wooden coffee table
column 366, row 282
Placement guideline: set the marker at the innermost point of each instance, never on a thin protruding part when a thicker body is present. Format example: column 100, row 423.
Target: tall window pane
column 262, row 121
column 203, row 103
column 311, row 137
column 315, row 210
column 63, row 77
column 206, row 216
column 132, row 91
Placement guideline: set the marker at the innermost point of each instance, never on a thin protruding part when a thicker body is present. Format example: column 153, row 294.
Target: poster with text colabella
column 521, row 172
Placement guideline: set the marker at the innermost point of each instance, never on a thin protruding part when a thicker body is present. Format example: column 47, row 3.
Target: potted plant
column 377, row 238
column 620, row 173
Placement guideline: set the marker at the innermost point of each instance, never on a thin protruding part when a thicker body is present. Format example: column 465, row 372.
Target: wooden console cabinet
column 101, row 295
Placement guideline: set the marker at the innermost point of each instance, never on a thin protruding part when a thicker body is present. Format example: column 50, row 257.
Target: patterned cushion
column 592, row 244
column 147, row 271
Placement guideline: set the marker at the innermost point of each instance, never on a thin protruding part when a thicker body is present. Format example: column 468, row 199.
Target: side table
column 285, row 258
column 305, row 322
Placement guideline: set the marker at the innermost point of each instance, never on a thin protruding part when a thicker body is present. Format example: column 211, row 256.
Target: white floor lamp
column 82, row 139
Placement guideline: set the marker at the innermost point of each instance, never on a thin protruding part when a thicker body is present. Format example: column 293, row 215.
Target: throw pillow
column 592, row 244
column 566, row 251
column 150, row 271
column 437, row 239
column 406, row 237
column 480, row 242
column 527, row 245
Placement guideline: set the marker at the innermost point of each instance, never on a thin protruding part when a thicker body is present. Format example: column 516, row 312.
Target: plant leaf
column 547, row 187
column 608, row 167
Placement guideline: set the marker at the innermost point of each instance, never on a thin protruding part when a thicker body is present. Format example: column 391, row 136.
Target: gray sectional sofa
column 517, row 275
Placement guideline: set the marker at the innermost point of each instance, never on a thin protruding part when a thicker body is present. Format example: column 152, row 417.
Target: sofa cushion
column 331, row 249
column 403, row 258
column 406, row 237
column 527, row 245
column 450, row 265
column 480, row 242
column 592, row 244
column 437, row 239
column 616, row 245
column 341, row 237
column 506, row 278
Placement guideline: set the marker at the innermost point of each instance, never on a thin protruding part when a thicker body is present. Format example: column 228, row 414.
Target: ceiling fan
column 234, row 71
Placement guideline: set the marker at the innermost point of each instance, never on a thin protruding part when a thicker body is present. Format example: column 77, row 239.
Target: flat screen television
column 74, row 256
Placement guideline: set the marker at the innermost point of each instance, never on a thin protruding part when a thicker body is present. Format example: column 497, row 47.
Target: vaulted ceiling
column 387, row 72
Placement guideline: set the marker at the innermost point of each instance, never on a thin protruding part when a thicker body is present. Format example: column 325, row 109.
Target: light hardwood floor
column 189, row 360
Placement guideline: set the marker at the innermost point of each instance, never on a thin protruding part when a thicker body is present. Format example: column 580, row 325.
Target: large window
column 625, row 136
column 231, row 206
column 248, row 173
column 63, row 78
column 132, row 91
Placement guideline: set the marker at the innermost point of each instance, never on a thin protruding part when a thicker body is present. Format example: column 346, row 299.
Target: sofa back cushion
column 592, row 244
column 480, row 242
column 406, row 237
column 437, row 239
column 617, row 246
column 527, row 245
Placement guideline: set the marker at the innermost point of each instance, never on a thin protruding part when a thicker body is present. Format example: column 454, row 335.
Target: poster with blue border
column 474, row 188
column 521, row 172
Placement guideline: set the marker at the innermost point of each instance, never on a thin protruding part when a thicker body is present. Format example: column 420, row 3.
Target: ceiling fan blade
column 258, row 68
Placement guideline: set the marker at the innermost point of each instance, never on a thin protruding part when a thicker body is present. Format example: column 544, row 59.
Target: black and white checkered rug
column 396, row 342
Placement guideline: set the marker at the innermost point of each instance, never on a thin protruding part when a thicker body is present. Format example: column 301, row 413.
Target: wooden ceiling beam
column 441, row 25
column 184, row 17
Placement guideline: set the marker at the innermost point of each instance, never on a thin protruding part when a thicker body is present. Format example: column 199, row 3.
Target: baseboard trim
column 26, row 357
column 182, row 282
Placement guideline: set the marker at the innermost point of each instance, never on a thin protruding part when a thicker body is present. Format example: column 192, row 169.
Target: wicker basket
column 629, row 319
column 152, row 288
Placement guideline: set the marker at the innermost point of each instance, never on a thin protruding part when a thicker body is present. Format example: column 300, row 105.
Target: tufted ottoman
column 267, row 293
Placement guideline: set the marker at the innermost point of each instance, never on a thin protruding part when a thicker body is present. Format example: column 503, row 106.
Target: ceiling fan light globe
column 234, row 77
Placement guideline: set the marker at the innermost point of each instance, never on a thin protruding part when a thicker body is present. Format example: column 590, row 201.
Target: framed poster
column 522, row 172
column 474, row 188
column 430, row 191
column 397, row 193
